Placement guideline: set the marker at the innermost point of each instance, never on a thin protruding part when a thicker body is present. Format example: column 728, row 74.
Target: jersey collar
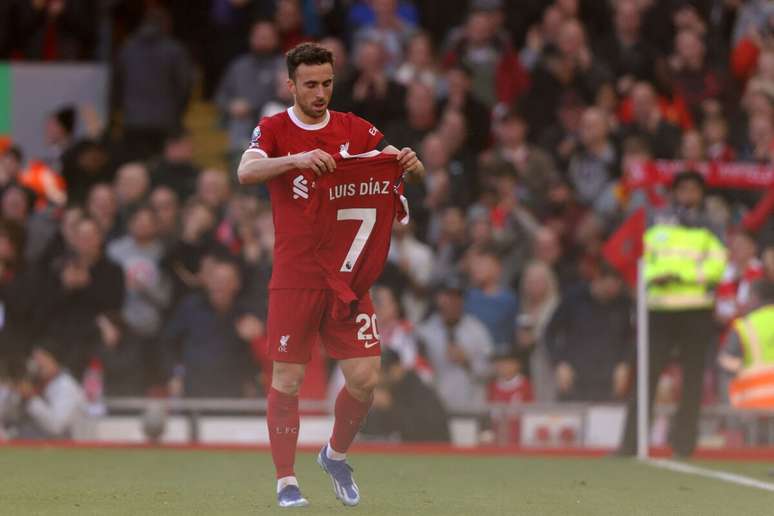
column 309, row 127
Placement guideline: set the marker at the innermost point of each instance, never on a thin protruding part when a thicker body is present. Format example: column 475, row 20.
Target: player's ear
column 291, row 86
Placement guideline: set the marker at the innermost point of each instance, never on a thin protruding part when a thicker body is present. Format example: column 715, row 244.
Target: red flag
column 624, row 247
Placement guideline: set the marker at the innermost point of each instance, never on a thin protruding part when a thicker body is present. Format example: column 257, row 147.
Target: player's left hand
column 410, row 163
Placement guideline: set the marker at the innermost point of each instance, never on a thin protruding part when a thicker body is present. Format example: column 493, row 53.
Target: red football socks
column 282, row 419
column 349, row 413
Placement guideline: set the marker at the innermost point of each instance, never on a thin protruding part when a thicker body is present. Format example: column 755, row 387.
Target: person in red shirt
column 283, row 146
column 509, row 386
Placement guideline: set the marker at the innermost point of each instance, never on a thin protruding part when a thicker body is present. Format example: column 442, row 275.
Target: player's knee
column 287, row 379
column 364, row 382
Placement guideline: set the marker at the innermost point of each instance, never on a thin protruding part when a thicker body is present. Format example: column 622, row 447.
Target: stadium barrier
column 541, row 426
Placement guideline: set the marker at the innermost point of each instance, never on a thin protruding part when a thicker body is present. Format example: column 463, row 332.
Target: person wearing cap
column 749, row 352
column 52, row 401
column 684, row 260
column 458, row 347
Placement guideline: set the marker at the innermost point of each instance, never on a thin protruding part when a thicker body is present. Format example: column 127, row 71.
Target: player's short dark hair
column 308, row 54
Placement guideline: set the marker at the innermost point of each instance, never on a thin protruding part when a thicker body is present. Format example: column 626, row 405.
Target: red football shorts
column 300, row 318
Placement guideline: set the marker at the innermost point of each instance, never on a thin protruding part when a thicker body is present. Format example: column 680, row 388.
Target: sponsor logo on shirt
column 300, row 188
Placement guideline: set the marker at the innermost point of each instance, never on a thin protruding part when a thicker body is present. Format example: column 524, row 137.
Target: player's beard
column 313, row 112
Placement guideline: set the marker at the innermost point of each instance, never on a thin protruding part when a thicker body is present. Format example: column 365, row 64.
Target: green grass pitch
column 55, row 481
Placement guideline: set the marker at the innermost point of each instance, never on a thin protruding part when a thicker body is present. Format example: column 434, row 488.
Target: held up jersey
column 295, row 238
column 354, row 209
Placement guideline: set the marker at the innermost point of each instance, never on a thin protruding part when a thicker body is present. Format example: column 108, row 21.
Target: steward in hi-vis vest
column 749, row 352
column 684, row 260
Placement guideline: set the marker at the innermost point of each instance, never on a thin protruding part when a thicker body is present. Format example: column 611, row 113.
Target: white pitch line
column 724, row 476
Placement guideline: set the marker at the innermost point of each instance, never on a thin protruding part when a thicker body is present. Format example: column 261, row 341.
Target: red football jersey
column 295, row 238
column 354, row 209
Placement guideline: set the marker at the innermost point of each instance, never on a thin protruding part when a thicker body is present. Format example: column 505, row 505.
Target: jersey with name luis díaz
column 295, row 237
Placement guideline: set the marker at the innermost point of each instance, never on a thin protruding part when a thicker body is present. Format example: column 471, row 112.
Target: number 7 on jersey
column 367, row 218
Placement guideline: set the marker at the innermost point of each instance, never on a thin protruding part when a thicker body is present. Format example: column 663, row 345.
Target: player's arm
column 408, row 160
column 256, row 167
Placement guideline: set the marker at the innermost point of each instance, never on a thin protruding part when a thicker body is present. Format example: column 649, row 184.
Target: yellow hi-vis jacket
column 694, row 256
column 754, row 387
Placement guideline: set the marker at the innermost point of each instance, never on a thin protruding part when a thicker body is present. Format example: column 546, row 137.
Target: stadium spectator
column 148, row 290
column 628, row 55
column 176, row 168
column 248, row 84
column 72, row 291
column 60, row 30
column 212, row 188
column 742, row 270
column 702, row 87
column 458, row 347
column 390, row 29
column 489, row 300
column 497, row 74
column 84, row 164
column 53, row 401
column 397, row 333
column 131, row 186
column 758, row 99
column 649, row 124
column 459, row 97
column 590, row 340
column 692, row 147
column 538, row 299
column 375, row 96
column 509, row 386
column 166, row 206
column 454, row 131
column 444, row 185
column 282, row 98
column 541, row 37
column 451, row 244
column 760, row 137
column 124, row 356
column 152, row 83
column 16, row 204
column 11, row 163
column 343, row 69
column 409, row 269
column 532, row 167
column 207, row 339
column 185, row 257
column 715, row 133
column 229, row 25
column 421, row 117
column 421, row 64
column 594, row 164
column 289, row 21
column 16, row 295
column 571, row 70
column 102, row 206
column 60, row 129
column 405, row 406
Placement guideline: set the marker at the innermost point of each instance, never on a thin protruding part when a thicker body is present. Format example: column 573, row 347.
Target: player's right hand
column 317, row 160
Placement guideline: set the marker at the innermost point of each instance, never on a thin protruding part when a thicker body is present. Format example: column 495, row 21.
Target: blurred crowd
column 125, row 261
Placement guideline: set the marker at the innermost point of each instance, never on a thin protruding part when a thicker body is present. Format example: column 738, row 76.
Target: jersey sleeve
column 264, row 139
column 366, row 135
